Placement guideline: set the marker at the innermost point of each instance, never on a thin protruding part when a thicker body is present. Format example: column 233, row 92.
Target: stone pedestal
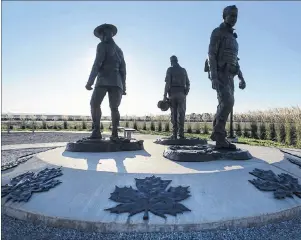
column 181, row 142
column 203, row 153
column 105, row 145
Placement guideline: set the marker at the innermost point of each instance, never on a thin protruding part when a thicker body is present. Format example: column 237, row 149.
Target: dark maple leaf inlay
column 151, row 196
column 283, row 185
column 23, row 186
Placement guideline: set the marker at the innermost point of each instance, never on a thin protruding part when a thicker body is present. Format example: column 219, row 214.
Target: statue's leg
column 226, row 102
column 217, row 109
column 181, row 114
column 174, row 117
column 115, row 96
column 97, row 97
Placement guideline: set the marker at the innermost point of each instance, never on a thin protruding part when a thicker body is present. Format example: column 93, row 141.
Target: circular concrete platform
column 221, row 195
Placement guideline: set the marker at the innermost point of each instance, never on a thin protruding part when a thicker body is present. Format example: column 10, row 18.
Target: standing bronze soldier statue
column 110, row 69
column 177, row 86
column 222, row 66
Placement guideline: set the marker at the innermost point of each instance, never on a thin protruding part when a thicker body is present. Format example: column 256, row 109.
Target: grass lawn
column 241, row 140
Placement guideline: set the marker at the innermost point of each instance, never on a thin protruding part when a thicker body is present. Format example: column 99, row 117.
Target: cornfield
column 280, row 125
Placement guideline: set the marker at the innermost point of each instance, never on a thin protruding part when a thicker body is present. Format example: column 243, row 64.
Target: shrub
column 254, row 130
column 298, row 135
column 75, row 127
column 152, row 126
column 280, row 133
column 238, row 129
column 135, row 126
column 290, row 133
column 262, row 131
column 23, row 126
column 197, row 128
column 84, row 125
column 159, row 126
column 65, row 124
column 228, row 127
column 166, row 127
column 246, row 132
column 206, row 129
column 127, row 124
column 144, row 126
column 271, row 131
column 44, row 125
column 189, row 129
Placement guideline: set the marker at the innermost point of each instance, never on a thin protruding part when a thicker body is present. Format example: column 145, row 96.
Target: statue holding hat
column 222, row 66
column 109, row 70
column 177, row 86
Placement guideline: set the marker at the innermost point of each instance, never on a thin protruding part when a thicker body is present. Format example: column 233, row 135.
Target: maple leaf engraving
column 150, row 196
column 283, row 185
column 23, row 186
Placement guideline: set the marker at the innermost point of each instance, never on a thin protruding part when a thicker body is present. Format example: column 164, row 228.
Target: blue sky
column 48, row 49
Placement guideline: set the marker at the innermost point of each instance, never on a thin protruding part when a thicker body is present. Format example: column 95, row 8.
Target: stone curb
column 37, row 218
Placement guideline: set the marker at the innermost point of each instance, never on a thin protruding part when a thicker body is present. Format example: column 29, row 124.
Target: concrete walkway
column 221, row 195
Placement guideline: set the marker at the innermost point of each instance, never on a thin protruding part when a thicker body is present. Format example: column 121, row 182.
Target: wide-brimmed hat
column 98, row 30
column 163, row 105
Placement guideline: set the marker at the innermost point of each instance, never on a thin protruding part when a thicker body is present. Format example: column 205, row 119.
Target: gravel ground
column 8, row 156
column 40, row 137
column 13, row 229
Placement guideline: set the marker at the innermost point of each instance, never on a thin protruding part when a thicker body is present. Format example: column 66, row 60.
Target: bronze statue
column 110, row 69
column 222, row 66
column 177, row 86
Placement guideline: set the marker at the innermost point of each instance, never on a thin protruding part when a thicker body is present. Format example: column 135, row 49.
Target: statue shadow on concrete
column 93, row 159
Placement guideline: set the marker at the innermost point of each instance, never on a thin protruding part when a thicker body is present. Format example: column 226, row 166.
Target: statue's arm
column 187, row 84
column 239, row 75
column 214, row 45
column 122, row 71
column 99, row 59
column 167, row 82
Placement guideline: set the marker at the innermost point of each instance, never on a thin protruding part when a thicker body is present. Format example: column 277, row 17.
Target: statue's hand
column 214, row 83
column 124, row 93
column 242, row 84
column 88, row 87
column 187, row 91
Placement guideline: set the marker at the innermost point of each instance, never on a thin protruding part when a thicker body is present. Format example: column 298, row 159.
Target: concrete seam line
column 145, row 227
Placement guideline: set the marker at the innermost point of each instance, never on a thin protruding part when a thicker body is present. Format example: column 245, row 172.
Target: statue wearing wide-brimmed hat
column 105, row 27
column 110, row 69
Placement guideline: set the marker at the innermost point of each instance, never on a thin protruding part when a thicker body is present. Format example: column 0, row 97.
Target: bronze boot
column 96, row 133
column 224, row 144
column 114, row 135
